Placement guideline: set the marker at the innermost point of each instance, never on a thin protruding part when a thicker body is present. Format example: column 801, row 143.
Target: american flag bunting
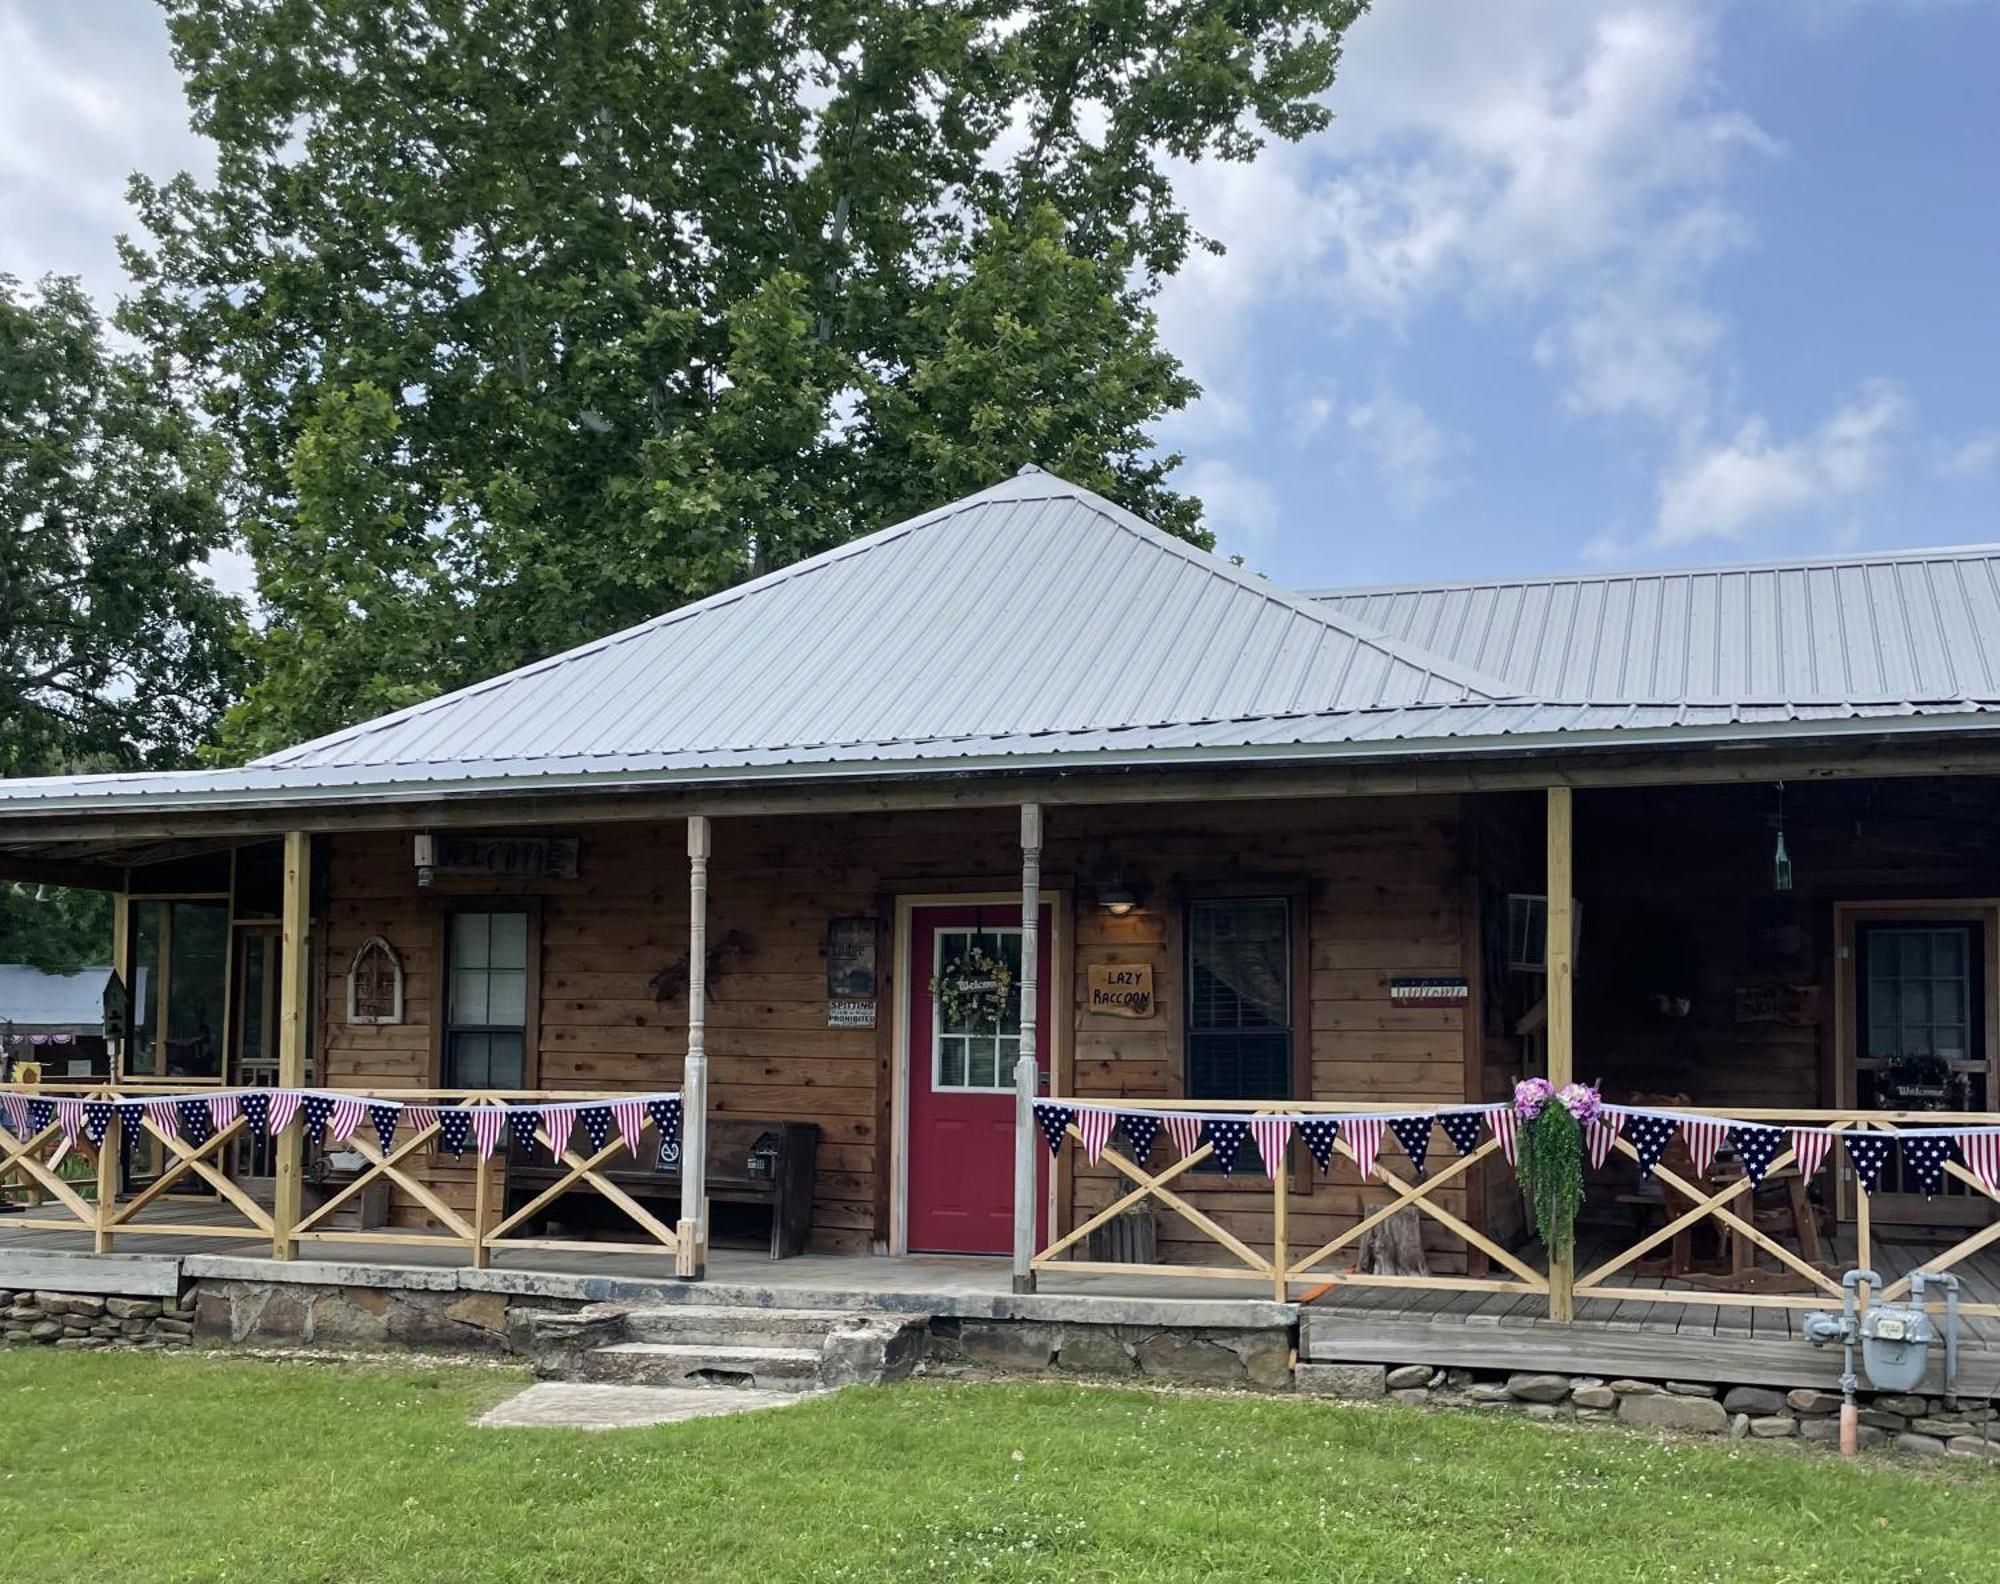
column 1756, row 1147
column 556, row 1123
column 347, row 1115
column 487, row 1122
column 284, row 1107
column 1982, row 1157
column 1462, row 1128
column 1141, row 1133
column 1226, row 1136
column 384, row 1119
column 1414, row 1134
column 1054, row 1121
column 1810, row 1145
column 1364, row 1138
column 1704, row 1138
column 1505, row 1127
column 1926, row 1156
column 1185, row 1131
column 630, row 1115
column 222, row 1110
column 1094, row 1125
column 1319, row 1134
column 1273, row 1136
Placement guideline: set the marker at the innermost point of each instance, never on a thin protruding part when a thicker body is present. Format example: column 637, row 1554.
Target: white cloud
column 1412, row 456
column 1240, row 509
column 1969, row 459
column 1719, row 490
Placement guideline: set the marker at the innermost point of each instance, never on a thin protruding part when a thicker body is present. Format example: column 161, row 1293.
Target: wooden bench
column 749, row 1163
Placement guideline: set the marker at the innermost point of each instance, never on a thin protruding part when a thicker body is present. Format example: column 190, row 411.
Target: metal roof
column 34, row 1002
column 1036, row 625
column 1872, row 631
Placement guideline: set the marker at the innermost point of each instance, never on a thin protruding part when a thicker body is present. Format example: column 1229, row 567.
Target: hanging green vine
column 1549, row 1156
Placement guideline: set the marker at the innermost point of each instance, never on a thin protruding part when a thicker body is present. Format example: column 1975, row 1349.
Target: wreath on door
column 973, row 988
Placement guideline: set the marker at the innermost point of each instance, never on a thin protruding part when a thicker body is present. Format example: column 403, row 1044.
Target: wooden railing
column 30, row 1169
column 1283, row 1267
column 1719, row 1200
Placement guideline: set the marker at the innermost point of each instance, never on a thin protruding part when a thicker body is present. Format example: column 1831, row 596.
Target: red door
column 962, row 1087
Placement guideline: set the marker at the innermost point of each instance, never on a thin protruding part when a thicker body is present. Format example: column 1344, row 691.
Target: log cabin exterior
column 721, row 855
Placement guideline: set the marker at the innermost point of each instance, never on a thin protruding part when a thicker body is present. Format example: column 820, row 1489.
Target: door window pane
column 973, row 1052
column 180, row 956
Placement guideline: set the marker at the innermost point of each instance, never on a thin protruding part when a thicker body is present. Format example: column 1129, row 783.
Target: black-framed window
column 1237, row 1009
column 487, row 998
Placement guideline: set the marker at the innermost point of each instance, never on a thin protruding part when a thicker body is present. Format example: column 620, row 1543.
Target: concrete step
column 689, row 1324
column 703, row 1364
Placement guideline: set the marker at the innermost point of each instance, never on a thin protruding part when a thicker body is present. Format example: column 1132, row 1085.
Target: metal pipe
column 1850, row 1413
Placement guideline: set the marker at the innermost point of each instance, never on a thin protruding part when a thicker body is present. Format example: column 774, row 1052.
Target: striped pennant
column 1703, row 1140
column 487, row 1122
column 96, row 1121
column 1364, row 1137
column 222, row 1110
column 1095, row 1125
column 455, row 1129
column 1982, row 1157
column 1601, row 1134
column 1462, row 1128
column 1810, row 1145
column 384, row 1118
column 1319, row 1134
column 556, row 1123
column 523, row 1122
column 1867, row 1152
column 1141, row 1133
column 1274, row 1137
column 1756, row 1147
column 1227, row 1135
column 16, row 1109
column 256, row 1108
column 630, row 1115
column 1054, row 1121
column 420, row 1117
column 347, row 1115
column 1506, row 1127
column 595, row 1120
column 1414, row 1134
column 70, row 1114
column 1185, row 1131
column 284, row 1107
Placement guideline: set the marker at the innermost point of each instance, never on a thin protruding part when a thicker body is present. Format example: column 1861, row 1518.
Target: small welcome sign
column 1119, row 989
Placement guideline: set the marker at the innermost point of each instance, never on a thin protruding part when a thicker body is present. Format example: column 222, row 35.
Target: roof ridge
column 1984, row 550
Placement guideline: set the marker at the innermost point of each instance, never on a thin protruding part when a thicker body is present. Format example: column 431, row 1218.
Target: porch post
column 1561, row 1015
column 1027, row 1071
column 692, row 1232
column 294, row 994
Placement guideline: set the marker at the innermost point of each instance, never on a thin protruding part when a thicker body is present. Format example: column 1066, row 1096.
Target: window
column 486, row 1028
column 978, row 1055
column 1238, row 1005
column 179, row 954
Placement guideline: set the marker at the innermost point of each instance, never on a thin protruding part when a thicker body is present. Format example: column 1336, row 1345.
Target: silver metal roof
column 1036, row 625
column 1903, row 627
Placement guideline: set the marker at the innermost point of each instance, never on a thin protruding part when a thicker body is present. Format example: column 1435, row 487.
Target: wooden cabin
column 1730, row 837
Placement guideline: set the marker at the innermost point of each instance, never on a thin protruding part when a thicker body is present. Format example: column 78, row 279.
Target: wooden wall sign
column 375, row 983
column 502, row 857
column 1119, row 989
column 850, row 973
column 1443, row 992
column 1795, row 1005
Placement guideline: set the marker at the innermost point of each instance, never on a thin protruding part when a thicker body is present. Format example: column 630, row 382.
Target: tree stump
column 1395, row 1248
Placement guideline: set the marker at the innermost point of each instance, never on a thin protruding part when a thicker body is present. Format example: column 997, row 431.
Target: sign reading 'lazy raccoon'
column 1119, row 989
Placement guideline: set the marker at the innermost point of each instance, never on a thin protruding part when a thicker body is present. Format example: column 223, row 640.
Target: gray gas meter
column 1895, row 1339
column 1895, row 1346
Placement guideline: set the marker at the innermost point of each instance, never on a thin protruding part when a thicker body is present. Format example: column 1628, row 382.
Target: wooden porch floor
column 1682, row 1339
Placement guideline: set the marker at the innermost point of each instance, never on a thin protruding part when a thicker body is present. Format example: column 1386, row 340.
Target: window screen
column 1239, row 999
column 485, row 1043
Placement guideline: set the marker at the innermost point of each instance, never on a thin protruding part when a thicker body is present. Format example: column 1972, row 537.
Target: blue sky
column 1568, row 283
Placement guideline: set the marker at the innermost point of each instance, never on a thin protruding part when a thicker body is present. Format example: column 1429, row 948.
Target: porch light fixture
column 1781, row 861
column 1118, row 900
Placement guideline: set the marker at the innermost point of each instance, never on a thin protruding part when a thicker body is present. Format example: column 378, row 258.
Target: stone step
column 703, row 1364
column 689, row 1324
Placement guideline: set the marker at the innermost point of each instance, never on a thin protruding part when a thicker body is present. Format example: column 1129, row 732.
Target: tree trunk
column 1395, row 1248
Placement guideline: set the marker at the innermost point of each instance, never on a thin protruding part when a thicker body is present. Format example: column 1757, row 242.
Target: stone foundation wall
column 1205, row 1355
column 90, row 1320
column 1923, row 1425
column 295, row 1314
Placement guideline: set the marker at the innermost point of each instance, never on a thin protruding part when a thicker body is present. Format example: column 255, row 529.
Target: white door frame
column 1056, row 992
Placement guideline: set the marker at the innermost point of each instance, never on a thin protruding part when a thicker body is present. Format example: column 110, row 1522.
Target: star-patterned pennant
column 41, row 1116
column 196, row 1125
column 558, row 1120
column 595, row 1120
column 1141, row 1133
column 1925, row 1156
column 96, row 1121
column 1506, row 1128
column 1600, row 1133
column 630, row 1115
column 222, row 1110
column 1319, row 1134
column 1462, row 1128
column 256, row 1108
column 1274, row 1137
column 488, row 1121
column 284, row 1107
column 665, row 1110
column 1756, row 1147
column 1094, row 1124
column 1810, row 1145
column 455, row 1129
column 384, row 1119
column 1867, row 1152
column 1414, row 1134
column 1225, row 1137
column 1054, row 1121
column 1981, row 1150
column 317, row 1109
column 1649, row 1136
column 1185, row 1131
column 1703, row 1140
column 524, row 1122
column 346, row 1116
column 131, row 1124
column 1364, row 1138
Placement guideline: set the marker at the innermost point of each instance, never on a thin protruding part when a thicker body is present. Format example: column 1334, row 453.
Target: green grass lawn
column 133, row 1467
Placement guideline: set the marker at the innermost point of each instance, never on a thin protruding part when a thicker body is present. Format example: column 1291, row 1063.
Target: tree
column 529, row 321
column 115, row 650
